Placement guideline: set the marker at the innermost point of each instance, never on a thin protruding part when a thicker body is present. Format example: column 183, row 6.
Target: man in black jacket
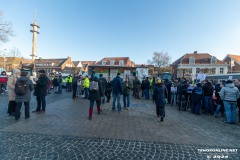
column 208, row 93
column 41, row 91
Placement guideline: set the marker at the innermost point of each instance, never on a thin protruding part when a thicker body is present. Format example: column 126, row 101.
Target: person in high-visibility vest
column 70, row 83
column 67, row 83
column 86, row 85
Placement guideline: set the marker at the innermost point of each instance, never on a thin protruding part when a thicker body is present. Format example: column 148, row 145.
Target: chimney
column 195, row 52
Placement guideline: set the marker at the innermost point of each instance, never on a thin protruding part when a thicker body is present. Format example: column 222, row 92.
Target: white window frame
column 112, row 62
column 121, row 62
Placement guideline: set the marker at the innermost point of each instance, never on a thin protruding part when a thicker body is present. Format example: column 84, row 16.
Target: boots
column 99, row 109
column 90, row 113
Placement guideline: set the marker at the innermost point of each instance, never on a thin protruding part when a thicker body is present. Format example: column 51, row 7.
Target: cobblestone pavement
column 64, row 132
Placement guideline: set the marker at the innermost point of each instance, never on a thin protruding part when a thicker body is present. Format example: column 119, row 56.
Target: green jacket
column 126, row 89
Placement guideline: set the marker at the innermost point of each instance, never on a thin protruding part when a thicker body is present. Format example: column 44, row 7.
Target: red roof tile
column 200, row 58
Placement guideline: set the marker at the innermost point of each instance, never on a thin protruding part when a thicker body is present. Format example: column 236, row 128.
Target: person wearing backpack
column 41, row 91
column 95, row 94
column 23, row 88
column 11, row 93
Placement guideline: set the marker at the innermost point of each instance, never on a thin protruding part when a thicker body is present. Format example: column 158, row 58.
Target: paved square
column 64, row 132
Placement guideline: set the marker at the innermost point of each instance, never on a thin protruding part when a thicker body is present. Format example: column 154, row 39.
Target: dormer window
column 213, row 60
column 121, row 63
column 103, row 63
column 191, row 60
column 112, row 62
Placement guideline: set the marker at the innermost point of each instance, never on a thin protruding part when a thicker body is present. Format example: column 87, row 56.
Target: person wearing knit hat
column 160, row 98
column 11, row 94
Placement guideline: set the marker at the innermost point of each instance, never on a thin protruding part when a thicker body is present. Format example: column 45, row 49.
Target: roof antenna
column 35, row 16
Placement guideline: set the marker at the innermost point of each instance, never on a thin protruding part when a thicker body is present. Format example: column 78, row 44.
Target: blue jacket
column 117, row 85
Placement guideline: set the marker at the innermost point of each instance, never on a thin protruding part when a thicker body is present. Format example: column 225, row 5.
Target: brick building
column 233, row 62
column 190, row 64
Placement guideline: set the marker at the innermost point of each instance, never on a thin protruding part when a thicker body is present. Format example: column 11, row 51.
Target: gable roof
column 234, row 57
column 126, row 61
column 51, row 62
column 200, row 58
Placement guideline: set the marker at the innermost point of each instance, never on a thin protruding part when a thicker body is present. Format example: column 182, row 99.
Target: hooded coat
column 27, row 96
column 229, row 93
column 11, row 84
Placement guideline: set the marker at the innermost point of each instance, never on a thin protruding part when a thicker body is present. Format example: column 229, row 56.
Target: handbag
column 165, row 101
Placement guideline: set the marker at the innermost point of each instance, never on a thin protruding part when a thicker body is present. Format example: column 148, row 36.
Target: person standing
column 74, row 85
column 127, row 86
column 95, row 94
column 23, row 88
column 197, row 95
column 219, row 102
column 117, row 92
column 41, row 92
column 103, row 82
column 159, row 97
column 108, row 89
column 136, row 87
column 168, row 84
column 86, row 85
column 208, row 93
column 11, row 94
column 237, row 83
column 229, row 94
column 60, row 83
column 55, row 84
column 79, row 86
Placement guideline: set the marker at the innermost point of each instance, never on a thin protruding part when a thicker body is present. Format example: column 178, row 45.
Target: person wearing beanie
column 229, row 94
column 11, row 94
column 159, row 97
column 40, row 92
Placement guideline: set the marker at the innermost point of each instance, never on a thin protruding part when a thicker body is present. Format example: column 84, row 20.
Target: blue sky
column 93, row 29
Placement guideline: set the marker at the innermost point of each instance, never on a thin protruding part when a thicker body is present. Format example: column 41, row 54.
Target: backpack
column 94, row 86
column 21, row 88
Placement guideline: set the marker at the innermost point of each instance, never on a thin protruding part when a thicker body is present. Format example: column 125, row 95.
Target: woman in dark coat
column 159, row 97
column 23, row 98
column 95, row 94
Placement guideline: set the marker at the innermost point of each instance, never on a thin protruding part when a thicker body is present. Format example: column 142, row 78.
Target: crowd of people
column 207, row 97
column 204, row 97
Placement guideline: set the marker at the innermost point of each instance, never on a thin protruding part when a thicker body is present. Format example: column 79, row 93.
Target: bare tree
column 14, row 52
column 160, row 60
column 5, row 29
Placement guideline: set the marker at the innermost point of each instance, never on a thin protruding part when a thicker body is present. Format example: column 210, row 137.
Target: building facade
column 110, row 66
column 233, row 62
column 63, row 65
column 191, row 64
column 9, row 63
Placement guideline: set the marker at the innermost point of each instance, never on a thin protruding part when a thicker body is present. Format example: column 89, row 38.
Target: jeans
column 79, row 92
column 126, row 103
column 146, row 92
column 18, row 108
column 231, row 111
column 86, row 90
column 116, row 96
column 208, row 104
column 41, row 102
column 92, row 103
column 172, row 98
column 60, row 87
